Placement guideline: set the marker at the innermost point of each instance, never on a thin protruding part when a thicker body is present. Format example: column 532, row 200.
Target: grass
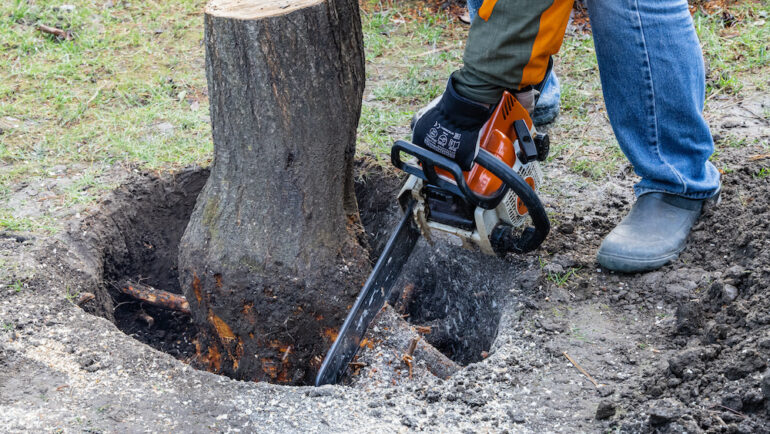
column 98, row 99
column 129, row 88
column 10, row 222
column 410, row 53
column 559, row 279
column 95, row 98
column 579, row 335
column 85, row 189
column 16, row 286
column 70, row 295
column 735, row 49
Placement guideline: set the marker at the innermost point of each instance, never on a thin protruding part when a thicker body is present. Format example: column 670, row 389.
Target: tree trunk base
column 270, row 261
column 289, row 327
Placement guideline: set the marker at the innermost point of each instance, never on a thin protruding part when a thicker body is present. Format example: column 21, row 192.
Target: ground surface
column 683, row 349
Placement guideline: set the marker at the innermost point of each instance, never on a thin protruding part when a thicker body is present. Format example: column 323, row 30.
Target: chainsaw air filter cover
column 512, row 210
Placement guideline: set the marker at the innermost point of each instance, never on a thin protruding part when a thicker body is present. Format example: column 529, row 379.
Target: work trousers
column 651, row 69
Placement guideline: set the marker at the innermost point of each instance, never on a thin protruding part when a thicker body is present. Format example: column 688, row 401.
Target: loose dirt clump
column 701, row 325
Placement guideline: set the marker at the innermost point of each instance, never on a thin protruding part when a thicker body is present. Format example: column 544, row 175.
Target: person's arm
column 509, row 47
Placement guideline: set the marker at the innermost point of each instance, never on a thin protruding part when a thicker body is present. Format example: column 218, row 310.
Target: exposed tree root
column 155, row 297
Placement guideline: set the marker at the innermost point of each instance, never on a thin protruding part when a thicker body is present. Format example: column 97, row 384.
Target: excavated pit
column 453, row 300
column 135, row 237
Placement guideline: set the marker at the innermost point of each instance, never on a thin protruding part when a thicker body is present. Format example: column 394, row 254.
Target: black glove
column 450, row 126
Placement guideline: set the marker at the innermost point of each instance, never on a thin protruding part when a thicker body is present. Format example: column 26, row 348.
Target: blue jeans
column 653, row 81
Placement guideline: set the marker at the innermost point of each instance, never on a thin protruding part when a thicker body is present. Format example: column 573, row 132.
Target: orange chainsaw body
column 497, row 137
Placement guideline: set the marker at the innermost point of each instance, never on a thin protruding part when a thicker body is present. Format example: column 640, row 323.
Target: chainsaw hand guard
column 429, row 162
column 530, row 239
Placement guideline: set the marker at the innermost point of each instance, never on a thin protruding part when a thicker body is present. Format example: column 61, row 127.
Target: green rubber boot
column 652, row 234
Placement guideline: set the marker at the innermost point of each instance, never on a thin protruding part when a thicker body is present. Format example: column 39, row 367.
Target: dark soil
column 376, row 190
column 711, row 307
column 451, row 292
column 136, row 234
column 682, row 349
column 717, row 378
column 456, row 298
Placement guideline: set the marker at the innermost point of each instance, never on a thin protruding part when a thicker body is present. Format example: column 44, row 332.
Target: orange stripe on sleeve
column 485, row 11
column 553, row 24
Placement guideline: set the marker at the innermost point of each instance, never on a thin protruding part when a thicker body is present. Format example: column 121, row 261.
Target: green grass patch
column 85, row 189
column 376, row 129
column 10, row 222
column 735, row 49
column 98, row 96
column 410, row 53
column 130, row 87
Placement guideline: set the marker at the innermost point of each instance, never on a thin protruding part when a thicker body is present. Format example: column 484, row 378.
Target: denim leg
column 473, row 8
column 653, row 81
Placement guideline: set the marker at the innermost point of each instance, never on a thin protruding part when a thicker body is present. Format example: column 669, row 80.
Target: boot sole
column 634, row 265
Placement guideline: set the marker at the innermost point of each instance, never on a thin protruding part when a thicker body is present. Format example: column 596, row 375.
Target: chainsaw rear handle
column 530, row 239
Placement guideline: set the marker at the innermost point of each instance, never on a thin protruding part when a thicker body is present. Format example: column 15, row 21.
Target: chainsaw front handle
column 429, row 161
column 530, row 239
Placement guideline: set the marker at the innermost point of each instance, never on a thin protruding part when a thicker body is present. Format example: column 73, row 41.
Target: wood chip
column 85, row 298
column 580, row 368
column 59, row 33
column 759, row 157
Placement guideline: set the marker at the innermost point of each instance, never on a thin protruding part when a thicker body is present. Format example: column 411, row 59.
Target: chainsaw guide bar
column 371, row 299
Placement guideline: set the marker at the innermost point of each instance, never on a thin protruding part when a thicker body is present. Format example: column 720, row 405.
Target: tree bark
column 270, row 261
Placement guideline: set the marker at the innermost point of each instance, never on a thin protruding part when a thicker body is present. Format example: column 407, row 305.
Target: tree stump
column 270, row 261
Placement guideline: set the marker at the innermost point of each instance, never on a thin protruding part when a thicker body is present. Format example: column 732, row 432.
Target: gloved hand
column 450, row 126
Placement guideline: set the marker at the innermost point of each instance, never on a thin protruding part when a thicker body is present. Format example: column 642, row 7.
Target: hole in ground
column 136, row 236
column 458, row 296
column 453, row 291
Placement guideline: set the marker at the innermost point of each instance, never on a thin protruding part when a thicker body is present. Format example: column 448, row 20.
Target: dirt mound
column 701, row 324
column 718, row 379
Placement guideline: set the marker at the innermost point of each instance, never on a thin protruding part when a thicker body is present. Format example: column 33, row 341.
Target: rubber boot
column 652, row 234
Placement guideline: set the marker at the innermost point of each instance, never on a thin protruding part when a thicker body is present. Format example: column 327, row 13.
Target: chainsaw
column 485, row 208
